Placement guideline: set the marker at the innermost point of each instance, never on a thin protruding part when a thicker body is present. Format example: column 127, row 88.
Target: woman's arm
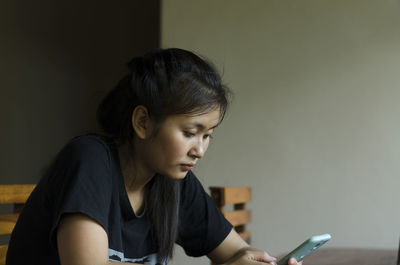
column 81, row 241
column 234, row 250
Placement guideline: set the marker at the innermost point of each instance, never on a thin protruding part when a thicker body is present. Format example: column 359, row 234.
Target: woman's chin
column 178, row 176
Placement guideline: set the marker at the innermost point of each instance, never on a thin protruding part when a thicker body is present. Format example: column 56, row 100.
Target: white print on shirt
column 151, row 259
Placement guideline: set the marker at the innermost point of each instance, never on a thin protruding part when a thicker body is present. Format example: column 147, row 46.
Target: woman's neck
column 134, row 172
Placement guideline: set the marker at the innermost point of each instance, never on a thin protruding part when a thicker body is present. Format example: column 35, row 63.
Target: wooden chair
column 17, row 196
column 237, row 197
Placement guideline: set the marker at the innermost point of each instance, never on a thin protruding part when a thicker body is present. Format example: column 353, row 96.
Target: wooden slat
column 240, row 217
column 15, row 193
column 235, row 195
column 230, row 195
column 3, row 253
column 245, row 235
column 7, row 223
column 238, row 197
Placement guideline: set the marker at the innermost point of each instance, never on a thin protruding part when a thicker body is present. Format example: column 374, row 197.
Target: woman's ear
column 141, row 122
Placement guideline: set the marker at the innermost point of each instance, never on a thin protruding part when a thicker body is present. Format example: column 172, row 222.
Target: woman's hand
column 235, row 251
column 250, row 255
column 255, row 256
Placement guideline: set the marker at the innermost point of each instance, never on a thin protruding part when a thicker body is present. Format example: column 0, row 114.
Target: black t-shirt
column 86, row 178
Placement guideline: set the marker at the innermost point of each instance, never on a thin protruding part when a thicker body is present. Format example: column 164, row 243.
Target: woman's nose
column 198, row 149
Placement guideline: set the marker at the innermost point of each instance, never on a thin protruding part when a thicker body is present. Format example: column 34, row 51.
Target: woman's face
column 180, row 142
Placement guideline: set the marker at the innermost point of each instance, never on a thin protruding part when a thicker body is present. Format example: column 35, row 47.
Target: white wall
column 314, row 127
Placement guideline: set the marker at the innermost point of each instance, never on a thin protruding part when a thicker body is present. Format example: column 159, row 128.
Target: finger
column 263, row 257
column 263, row 262
column 259, row 262
column 267, row 257
column 293, row 261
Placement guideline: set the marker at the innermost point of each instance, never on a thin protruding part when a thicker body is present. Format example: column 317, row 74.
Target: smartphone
column 305, row 249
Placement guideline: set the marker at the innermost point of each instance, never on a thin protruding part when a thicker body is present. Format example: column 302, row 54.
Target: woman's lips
column 187, row 167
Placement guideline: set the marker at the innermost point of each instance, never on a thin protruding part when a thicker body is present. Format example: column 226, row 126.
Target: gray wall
column 314, row 128
column 58, row 59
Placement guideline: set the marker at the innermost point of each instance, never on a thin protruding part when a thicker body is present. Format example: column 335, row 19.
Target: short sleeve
column 202, row 227
column 80, row 181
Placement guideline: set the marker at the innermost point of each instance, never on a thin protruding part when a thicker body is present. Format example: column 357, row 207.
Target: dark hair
column 166, row 82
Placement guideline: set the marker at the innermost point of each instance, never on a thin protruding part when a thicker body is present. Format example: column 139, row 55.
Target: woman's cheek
column 177, row 146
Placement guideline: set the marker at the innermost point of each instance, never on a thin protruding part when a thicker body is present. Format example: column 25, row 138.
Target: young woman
column 129, row 194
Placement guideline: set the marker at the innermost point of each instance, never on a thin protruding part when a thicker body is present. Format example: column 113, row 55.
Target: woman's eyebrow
column 202, row 127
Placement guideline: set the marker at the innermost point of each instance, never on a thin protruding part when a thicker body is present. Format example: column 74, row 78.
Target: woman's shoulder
column 91, row 140
column 84, row 159
column 86, row 150
column 91, row 144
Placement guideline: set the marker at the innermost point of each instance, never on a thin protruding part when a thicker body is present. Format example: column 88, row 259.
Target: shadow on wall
column 58, row 60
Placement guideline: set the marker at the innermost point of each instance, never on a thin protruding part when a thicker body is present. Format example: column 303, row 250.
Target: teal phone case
column 305, row 248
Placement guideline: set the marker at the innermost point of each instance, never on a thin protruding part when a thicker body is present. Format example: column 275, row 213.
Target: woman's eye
column 188, row 134
column 208, row 136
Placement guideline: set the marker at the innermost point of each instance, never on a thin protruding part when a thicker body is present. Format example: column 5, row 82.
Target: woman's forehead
column 203, row 120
